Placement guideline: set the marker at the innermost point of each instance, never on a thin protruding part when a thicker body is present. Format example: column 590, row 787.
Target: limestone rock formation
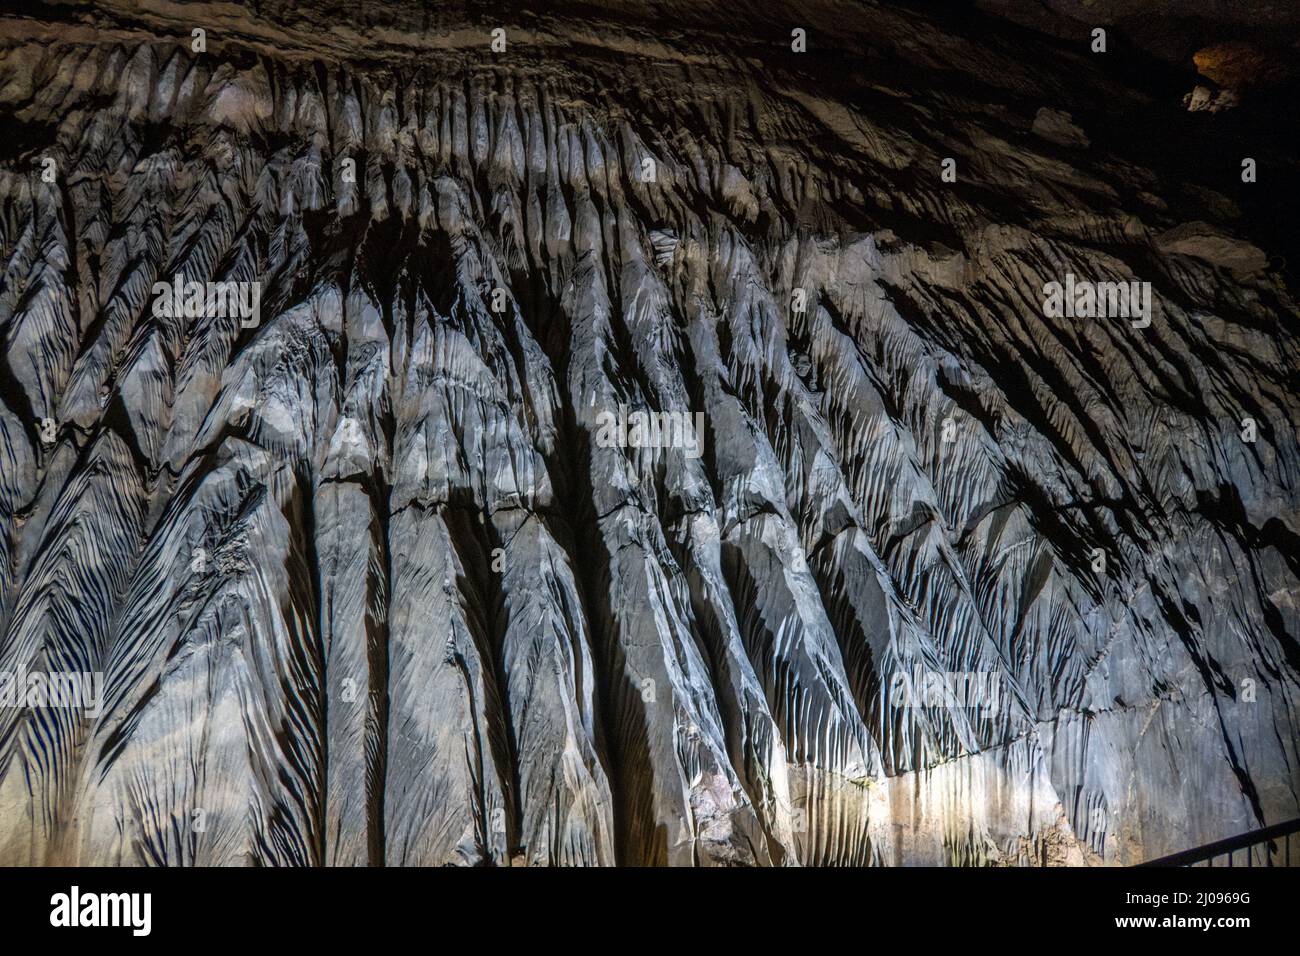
column 312, row 342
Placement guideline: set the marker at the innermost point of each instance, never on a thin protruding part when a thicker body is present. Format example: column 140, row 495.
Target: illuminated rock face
column 643, row 449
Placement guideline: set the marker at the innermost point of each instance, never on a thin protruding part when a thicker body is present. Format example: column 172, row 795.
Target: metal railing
column 1269, row 846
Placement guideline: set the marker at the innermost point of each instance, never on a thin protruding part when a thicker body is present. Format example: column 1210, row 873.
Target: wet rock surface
column 944, row 579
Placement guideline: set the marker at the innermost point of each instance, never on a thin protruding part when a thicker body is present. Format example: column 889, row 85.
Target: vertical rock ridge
column 371, row 579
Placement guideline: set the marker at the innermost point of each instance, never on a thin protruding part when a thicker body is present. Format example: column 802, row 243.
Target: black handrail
column 1207, row 853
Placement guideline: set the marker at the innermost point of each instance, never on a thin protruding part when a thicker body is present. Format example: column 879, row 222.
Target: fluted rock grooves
column 365, row 588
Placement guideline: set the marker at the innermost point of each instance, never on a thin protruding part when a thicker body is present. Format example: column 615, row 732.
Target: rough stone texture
column 363, row 584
